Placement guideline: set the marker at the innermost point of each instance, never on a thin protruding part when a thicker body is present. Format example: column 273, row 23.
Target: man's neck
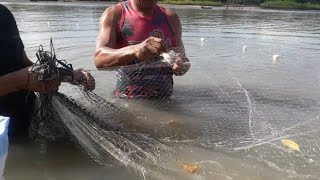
column 146, row 12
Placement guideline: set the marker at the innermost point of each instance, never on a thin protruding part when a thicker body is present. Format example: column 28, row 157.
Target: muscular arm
column 106, row 54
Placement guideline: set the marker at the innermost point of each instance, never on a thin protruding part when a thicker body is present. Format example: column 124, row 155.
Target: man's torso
column 144, row 81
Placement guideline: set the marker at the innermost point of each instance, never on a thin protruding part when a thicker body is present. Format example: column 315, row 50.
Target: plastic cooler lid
column 4, row 122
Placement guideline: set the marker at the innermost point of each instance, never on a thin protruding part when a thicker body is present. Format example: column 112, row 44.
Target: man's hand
column 181, row 65
column 150, row 48
column 32, row 83
column 84, row 78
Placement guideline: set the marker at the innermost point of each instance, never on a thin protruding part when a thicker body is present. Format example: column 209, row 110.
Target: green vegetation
column 193, row 2
column 286, row 4
column 274, row 4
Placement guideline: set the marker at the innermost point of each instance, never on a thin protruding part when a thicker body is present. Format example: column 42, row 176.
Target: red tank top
column 139, row 81
column 134, row 28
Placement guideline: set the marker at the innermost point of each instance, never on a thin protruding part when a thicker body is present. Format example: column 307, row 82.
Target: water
column 228, row 113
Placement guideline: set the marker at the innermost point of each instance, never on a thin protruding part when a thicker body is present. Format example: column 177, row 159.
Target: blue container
column 4, row 142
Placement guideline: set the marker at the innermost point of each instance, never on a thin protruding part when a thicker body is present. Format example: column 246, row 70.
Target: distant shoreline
column 263, row 7
column 275, row 4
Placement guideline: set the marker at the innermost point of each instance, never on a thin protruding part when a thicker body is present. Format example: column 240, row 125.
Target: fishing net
column 47, row 68
column 236, row 106
column 105, row 130
column 243, row 121
column 250, row 122
column 226, row 115
column 225, row 112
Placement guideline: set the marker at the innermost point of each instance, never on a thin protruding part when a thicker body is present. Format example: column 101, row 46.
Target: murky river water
column 228, row 113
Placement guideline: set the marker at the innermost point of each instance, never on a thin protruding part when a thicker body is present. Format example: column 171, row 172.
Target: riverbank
column 289, row 5
column 190, row 2
column 271, row 5
column 278, row 4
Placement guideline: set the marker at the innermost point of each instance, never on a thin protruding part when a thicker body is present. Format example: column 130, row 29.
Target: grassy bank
column 277, row 4
column 271, row 4
column 289, row 5
column 191, row 2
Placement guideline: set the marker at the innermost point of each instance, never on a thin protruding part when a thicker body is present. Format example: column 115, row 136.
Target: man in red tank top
column 136, row 31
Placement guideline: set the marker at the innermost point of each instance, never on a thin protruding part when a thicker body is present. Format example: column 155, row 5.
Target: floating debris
column 275, row 58
column 291, row 144
column 190, row 167
column 244, row 49
column 173, row 123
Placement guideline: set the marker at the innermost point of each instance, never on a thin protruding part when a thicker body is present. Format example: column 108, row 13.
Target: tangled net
column 104, row 130
column 47, row 67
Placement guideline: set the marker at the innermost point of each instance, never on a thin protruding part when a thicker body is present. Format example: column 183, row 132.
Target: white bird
column 22, row 20
column 77, row 25
column 244, row 49
column 202, row 39
column 48, row 24
column 275, row 58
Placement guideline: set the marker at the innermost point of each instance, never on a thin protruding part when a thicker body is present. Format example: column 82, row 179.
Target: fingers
column 152, row 48
column 180, row 68
column 89, row 83
column 50, row 86
column 44, row 86
column 176, row 69
column 159, row 44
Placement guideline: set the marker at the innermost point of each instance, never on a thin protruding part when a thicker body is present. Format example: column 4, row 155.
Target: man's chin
column 149, row 4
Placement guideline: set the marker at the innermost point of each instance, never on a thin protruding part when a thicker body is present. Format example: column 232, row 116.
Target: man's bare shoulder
column 173, row 19
column 170, row 13
column 114, row 12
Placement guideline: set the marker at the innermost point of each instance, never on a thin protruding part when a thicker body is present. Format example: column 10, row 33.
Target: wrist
column 131, row 55
column 20, row 79
column 78, row 77
column 134, row 52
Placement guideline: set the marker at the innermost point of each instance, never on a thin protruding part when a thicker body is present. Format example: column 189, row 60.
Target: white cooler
column 4, row 142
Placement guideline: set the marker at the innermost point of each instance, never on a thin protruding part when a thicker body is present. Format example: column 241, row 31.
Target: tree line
column 245, row 2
